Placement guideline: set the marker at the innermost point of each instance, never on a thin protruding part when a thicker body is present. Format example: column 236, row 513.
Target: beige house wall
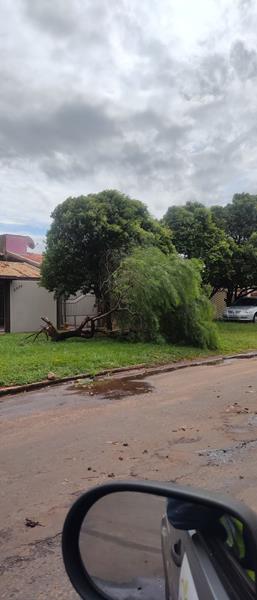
column 28, row 302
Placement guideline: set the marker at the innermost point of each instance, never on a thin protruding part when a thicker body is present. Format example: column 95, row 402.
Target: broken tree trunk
column 57, row 336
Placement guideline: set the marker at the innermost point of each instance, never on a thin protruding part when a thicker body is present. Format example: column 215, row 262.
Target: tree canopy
column 238, row 218
column 162, row 297
column 223, row 238
column 89, row 236
column 196, row 235
column 194, row 231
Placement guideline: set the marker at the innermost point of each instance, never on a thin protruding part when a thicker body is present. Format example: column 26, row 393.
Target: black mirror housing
column 205, row 504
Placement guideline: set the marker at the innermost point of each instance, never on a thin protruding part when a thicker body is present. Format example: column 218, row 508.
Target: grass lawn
column 24, row 362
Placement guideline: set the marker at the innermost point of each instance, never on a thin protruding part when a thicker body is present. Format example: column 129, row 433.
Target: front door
column 2, row 304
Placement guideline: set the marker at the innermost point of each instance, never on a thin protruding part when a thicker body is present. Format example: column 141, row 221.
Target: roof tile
column 17, row 270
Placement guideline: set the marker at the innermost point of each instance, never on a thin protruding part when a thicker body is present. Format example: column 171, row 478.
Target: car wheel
column 255, row 318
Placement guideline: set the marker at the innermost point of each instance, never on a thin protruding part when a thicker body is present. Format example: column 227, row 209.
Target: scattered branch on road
column 30, row 523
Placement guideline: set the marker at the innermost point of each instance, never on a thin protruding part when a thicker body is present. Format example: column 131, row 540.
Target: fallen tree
column 87, row 328
column 155, row 297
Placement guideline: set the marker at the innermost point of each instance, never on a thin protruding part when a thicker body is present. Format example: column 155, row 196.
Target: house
column 22, row 300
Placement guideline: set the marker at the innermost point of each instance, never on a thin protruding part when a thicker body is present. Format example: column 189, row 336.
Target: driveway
column 193, row 426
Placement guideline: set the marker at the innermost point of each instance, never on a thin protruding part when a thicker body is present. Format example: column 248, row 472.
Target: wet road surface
column 195, row 426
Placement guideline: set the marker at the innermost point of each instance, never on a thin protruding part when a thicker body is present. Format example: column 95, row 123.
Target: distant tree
column 88, row 238
column 223, row 238
column 239, row 222
column 162, row 297
column 196, row 235
column 239, row 218
column 194, row 231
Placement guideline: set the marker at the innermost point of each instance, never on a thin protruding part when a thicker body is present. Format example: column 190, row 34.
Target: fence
column 76, row 308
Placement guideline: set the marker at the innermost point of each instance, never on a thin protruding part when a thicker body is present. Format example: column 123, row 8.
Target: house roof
column 15, row 247
column 28, row 257
column 37, row 258
column 18, row 270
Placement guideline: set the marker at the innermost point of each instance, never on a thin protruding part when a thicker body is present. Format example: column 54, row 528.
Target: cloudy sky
column 157, row 98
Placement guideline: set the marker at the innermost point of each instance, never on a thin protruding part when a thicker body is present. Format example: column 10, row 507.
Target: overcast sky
column 157, row 98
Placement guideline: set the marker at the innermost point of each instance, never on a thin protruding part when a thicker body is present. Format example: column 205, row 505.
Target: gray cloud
column 122, row 94
column 72, row 125
column 52, row 16
column 243, row 60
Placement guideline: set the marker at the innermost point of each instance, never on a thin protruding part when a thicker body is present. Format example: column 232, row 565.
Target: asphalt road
column 195, row 426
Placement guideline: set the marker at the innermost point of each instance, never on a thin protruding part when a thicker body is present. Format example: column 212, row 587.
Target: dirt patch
column 114, row 389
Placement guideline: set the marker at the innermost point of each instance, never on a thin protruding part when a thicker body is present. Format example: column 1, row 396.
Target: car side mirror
column 148, row 541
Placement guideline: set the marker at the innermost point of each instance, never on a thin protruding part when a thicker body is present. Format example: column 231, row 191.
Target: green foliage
column 219, row 216
column 223, row 237
column 89, row 236
column 194, row 232
column 163, row 297
column 238, row 219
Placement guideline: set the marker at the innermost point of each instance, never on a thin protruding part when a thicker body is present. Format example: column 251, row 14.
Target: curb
column 146, row 370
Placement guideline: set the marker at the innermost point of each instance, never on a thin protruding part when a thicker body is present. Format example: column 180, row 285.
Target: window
column 246, row 302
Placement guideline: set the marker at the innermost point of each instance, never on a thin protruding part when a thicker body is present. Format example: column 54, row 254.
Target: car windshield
column 246, row 302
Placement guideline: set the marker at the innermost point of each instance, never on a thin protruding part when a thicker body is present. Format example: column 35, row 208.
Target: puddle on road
column 114, row 389
column 228, row 455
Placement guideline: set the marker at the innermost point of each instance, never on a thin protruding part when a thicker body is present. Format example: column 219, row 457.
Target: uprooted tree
column 154, row 297
column 162, row 299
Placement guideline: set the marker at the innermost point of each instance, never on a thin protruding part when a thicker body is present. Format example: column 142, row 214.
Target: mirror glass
column 140, row 546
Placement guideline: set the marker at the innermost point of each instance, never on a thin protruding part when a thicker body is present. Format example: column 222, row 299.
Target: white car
column 244, row 309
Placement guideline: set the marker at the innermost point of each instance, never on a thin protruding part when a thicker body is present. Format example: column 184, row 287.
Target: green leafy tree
column 89, row 236
column 194, row 232
column 162, row 297
column 239, row 222
column 219, row 216
column 196, row 235
column 239, row 218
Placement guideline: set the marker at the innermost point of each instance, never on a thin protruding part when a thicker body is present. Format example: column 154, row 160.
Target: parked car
column 244, row 309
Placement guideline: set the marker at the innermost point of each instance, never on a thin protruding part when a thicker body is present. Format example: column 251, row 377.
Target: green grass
column 24, row 362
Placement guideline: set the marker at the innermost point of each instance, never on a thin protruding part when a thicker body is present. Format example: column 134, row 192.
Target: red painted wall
column 17, row 244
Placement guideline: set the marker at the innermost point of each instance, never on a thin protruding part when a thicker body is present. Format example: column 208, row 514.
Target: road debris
column 30, row 523
column 236, row 408
column 51, row 376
